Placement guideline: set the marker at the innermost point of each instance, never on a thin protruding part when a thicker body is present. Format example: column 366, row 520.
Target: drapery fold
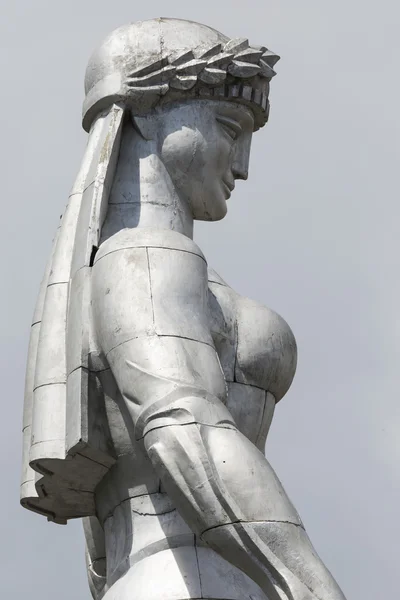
column 66, row 448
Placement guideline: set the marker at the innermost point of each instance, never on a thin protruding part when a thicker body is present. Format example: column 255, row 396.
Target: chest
column 257, row 352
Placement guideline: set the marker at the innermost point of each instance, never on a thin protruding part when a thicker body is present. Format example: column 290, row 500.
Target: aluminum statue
column 151, row 384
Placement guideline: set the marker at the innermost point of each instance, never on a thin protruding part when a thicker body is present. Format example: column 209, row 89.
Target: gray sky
column 312, row 234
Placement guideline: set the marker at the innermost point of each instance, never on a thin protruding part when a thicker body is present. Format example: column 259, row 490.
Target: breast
column 266, row 354
column 258, row 355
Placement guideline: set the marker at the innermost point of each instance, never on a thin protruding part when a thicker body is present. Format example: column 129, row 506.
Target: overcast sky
column 313, row 234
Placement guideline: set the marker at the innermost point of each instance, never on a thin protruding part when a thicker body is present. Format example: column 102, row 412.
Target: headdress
column 162, row 60
column 66, row 447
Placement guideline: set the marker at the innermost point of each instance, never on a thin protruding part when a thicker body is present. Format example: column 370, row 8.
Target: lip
column 229, row 187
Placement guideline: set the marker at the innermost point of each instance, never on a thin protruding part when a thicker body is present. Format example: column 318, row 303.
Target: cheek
column 184, row 156
column 191, row 158
column 220, row 154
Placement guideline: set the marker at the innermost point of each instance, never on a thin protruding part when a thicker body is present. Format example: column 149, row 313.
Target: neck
column 142, row 194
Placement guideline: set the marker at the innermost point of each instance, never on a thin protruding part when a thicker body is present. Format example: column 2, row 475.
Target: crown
column 216, row 68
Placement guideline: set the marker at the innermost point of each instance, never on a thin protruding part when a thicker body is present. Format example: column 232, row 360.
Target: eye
column 230, row 126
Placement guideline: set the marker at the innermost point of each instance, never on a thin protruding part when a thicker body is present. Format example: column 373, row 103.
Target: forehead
column 199, row 110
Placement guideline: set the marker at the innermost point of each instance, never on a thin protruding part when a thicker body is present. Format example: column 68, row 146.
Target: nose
column 238, row 172
column 240, row 164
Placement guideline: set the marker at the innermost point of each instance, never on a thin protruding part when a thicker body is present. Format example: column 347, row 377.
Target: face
column 205, row 147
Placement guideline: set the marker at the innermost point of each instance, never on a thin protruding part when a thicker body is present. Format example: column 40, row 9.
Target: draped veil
column 66, row 449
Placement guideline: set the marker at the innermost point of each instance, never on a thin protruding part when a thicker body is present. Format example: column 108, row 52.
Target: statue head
column 203, row 147
column 196, row 94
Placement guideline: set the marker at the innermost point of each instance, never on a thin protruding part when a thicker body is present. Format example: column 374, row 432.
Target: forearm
column 270, row 546
column 189, row 477
column 181, row 460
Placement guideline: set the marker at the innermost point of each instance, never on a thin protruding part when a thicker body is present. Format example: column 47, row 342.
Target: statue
column 151, row 384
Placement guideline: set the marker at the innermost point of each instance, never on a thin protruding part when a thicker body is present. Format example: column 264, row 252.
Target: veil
column 66, row 449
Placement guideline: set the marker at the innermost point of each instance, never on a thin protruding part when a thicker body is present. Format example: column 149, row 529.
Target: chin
column 213, row 211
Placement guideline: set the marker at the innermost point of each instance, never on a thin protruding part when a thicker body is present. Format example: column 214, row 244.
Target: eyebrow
column 229, row 121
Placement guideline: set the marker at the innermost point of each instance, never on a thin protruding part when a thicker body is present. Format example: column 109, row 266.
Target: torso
column 257, row 353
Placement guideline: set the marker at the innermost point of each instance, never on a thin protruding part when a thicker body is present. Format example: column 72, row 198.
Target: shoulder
column 147, row 283
column 146, row 237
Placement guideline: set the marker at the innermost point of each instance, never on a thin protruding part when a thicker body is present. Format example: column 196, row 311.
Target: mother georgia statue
column 151, row 384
